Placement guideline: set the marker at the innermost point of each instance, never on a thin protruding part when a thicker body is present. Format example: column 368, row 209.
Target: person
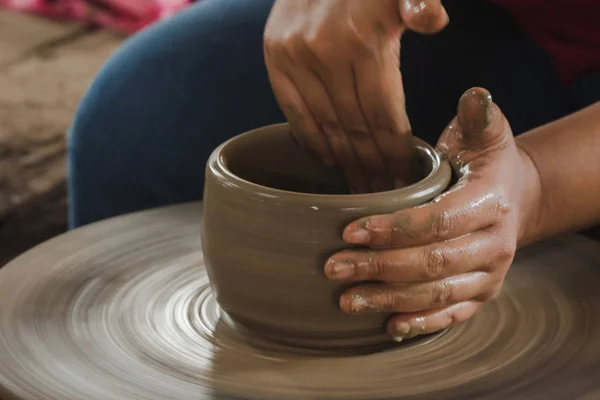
column 334, row 70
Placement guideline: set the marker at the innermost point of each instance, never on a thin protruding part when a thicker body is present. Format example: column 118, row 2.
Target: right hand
column 334, row 69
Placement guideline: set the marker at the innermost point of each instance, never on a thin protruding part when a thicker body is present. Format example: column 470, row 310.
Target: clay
column 273, row 216
column 122, row 310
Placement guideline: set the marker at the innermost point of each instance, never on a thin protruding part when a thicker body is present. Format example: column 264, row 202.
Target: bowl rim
column 434, row 183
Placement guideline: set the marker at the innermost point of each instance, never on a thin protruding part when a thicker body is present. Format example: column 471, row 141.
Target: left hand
column 437, row 264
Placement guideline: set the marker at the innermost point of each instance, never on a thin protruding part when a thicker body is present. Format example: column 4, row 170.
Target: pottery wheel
column 122, row 309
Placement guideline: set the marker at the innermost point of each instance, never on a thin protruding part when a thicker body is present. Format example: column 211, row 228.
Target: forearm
column 564, row 194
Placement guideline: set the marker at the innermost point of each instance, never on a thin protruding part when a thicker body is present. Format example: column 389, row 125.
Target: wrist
column 531, row 206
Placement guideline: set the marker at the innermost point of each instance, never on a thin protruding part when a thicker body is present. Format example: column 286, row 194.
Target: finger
column 299, row 117
column 406, row 326
column 424, row 16
column 480, row 127
column 381, row 95
column 480, row 250
column 464, row 209
column 475, row 114
column 317, row 100
column 377, row 297
column 340, row 85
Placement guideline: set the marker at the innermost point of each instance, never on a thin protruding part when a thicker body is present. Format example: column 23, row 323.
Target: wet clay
column 273, row 216
column 122, row 310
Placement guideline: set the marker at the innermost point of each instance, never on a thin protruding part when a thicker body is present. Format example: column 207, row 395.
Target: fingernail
column 475, row 111
column 340, row 269
column 423, row 15
column 359, row 236
column 401, row 331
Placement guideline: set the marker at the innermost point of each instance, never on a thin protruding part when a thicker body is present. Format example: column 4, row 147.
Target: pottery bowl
column 273, row 215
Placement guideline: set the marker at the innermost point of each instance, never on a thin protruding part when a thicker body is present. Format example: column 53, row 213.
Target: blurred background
column 50, row 50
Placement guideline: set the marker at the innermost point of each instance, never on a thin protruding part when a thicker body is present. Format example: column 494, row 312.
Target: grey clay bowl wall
column 265, row 248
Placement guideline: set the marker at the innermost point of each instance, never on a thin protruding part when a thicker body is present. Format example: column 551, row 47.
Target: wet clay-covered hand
column 439, row 263
column 334, row 69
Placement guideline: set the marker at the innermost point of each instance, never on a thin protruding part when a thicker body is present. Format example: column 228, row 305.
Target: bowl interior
column 273, row 158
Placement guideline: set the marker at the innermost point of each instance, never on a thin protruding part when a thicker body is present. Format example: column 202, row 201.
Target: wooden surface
column 45, row 69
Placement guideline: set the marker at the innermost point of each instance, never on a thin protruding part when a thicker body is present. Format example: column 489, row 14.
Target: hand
column 334, row 69
column 437, row 264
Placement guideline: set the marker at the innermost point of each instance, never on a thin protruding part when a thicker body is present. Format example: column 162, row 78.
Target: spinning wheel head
column 122, row 310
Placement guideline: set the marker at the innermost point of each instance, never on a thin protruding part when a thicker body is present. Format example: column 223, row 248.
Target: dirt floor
column 45, row 69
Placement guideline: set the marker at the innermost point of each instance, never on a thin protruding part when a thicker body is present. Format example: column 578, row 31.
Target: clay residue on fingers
column 475, row 113
column 408, row 329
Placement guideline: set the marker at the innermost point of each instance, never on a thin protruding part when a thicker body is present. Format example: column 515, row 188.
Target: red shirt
column 568, row 29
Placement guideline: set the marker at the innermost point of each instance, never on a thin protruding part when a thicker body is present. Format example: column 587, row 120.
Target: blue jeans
column 175, row 91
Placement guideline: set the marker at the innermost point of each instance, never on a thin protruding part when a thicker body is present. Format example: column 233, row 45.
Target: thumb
column 479, row 127
column 423, row 16
column 481, row 124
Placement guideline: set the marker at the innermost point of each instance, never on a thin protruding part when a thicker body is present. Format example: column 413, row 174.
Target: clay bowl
column 273, row 215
